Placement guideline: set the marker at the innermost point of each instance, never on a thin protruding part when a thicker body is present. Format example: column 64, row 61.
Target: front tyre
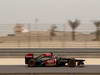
column 71, row 63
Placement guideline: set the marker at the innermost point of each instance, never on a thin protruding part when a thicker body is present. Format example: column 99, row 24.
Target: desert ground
column 51, row 44
column 42, row 39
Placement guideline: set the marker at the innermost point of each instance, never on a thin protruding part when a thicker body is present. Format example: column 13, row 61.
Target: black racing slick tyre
column 71, row 63
column 31, row 63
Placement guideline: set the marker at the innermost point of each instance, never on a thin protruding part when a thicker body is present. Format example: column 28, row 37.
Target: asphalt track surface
column 78, row 52
column 88, row 69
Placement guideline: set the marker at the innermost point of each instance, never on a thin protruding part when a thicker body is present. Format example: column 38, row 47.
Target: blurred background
column 49, row 24
column 72, row 34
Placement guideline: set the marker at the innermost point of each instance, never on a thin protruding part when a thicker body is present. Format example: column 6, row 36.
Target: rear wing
column 28, row 57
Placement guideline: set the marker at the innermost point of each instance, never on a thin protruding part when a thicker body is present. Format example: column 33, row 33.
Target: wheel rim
column 31, row 64
column 72, row 63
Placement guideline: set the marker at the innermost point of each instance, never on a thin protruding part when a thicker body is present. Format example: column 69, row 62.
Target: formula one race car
column 48, row 59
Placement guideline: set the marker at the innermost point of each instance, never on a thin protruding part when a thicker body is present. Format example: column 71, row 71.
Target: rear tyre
column 31, row 63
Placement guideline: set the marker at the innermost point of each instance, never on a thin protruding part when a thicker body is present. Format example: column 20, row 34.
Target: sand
column 51, row 44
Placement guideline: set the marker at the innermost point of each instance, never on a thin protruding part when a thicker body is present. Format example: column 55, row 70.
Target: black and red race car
column 48, row 59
